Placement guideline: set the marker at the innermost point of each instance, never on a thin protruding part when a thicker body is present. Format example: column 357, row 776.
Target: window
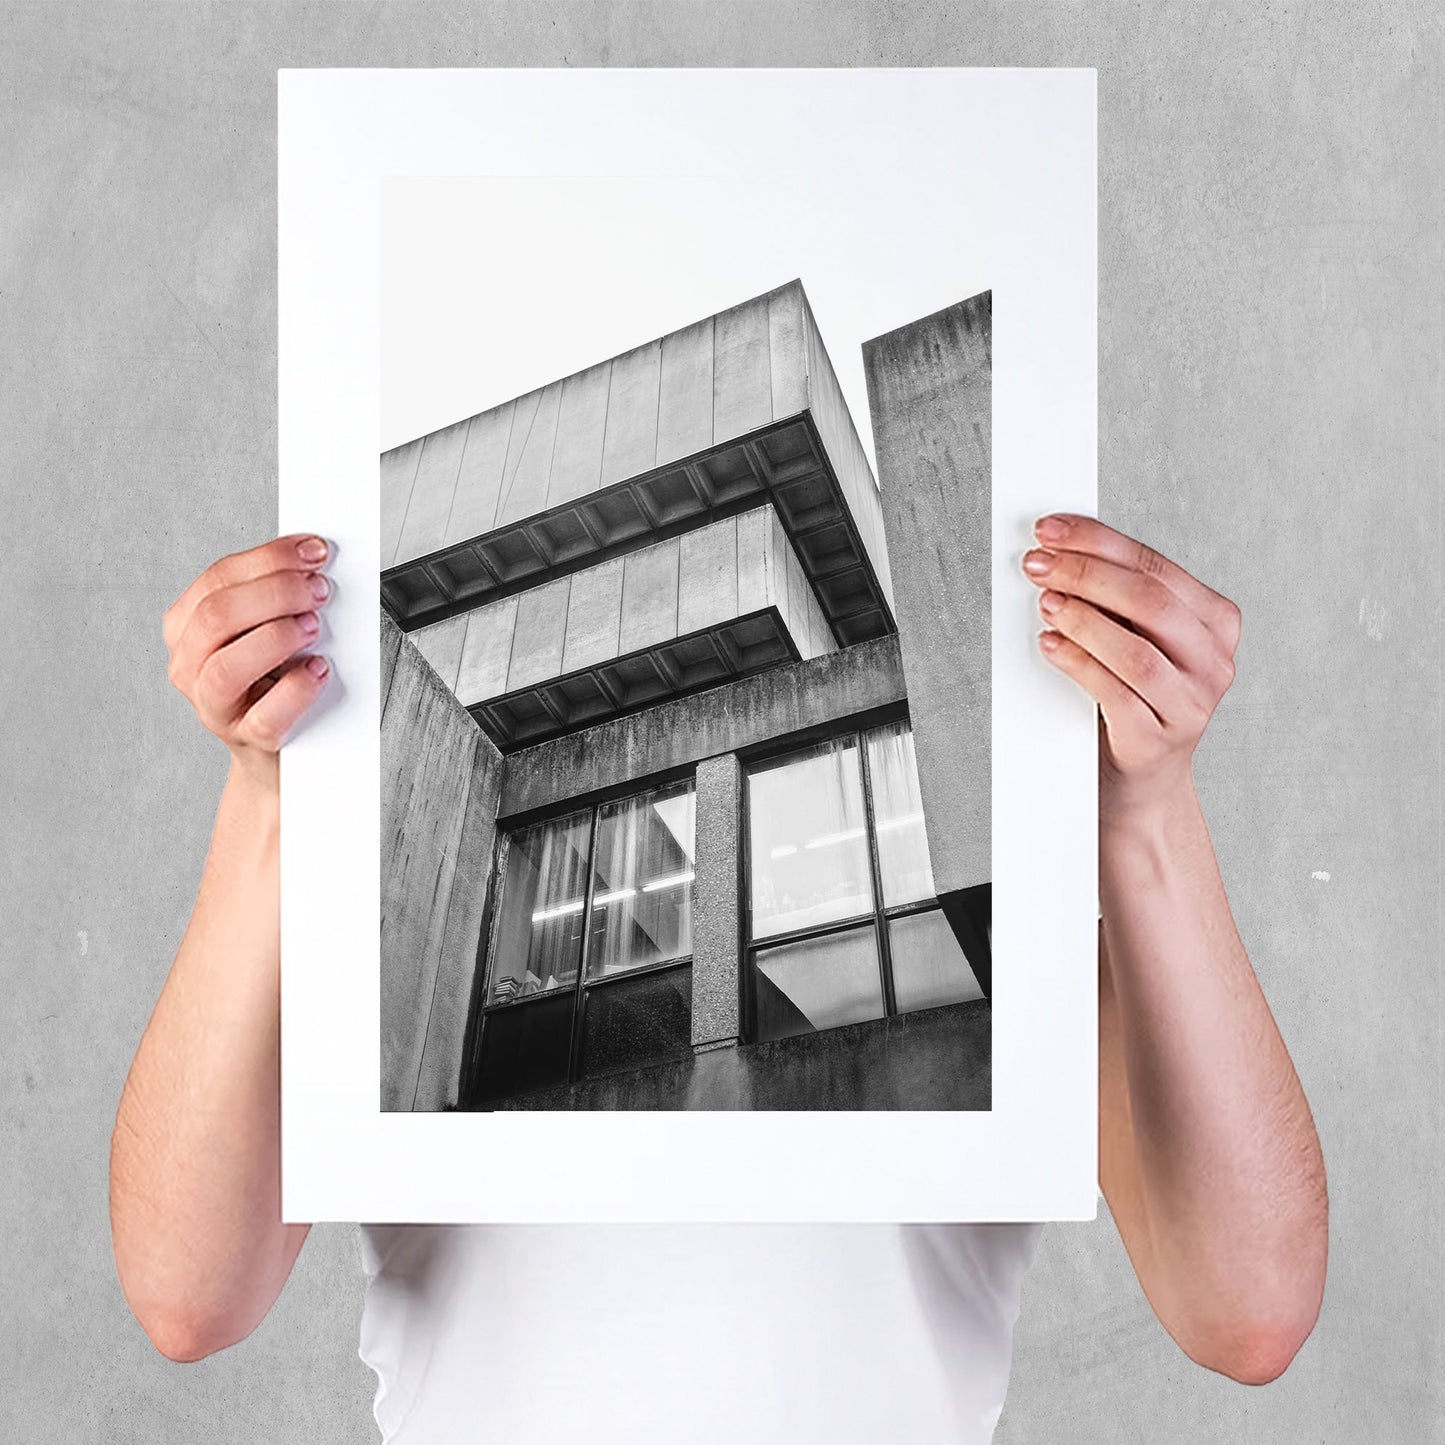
column 589, row 964
column 843, row 923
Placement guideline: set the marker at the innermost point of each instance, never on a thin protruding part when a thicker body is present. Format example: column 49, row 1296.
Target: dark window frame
column 876, row 919
column 481, row 1006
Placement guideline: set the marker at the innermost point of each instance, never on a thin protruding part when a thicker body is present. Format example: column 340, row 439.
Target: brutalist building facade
column 685, row 731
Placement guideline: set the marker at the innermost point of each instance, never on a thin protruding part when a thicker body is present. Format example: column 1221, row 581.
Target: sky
column 856, row 182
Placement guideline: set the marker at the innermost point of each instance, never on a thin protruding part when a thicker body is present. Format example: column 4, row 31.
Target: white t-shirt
column 692, row 1334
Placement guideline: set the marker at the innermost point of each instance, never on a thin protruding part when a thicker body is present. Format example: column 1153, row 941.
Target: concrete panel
column 934, row 1059
column 777, row 565
column 819, row 632
column 627, row 632
column 929, row 391
column 649, row 597
column 398, row 473
column 529, row 454
column 441, row 645
column 630, row 446
column 742, row 387
column 594, row 616
column 595, row 455
column 440, row 1068
column 787, row 351
column 708, row 576
column 576, row 466
column 795, row 589
column 840, row 440
column 431, row 493
column 755, row 551
column 541, row 629
column 391, row 636
column 784, row 700
column 684, row 406
column 479, row 480
column 716, row 999
column 487, row 651
column 431, row 756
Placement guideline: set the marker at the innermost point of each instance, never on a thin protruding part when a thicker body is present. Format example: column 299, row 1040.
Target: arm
column 1208, row 1156
column 195, row 1155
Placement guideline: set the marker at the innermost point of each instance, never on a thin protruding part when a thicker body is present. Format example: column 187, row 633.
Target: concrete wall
column 716, row 903
column 934, row 1059
column 739, row 405
column 699, row 387
column 840, row 440
column 772, row 704
column 1269, row 241
column 440, row 779
column 929, row 392
column 700, row 580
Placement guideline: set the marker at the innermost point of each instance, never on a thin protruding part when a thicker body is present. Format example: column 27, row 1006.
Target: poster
column 678, row 853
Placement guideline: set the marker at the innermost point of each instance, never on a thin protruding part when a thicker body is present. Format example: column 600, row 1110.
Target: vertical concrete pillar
column 715, row 938
column 440, row 777
column 930, row 394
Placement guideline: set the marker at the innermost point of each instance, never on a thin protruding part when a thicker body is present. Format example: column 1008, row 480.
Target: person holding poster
column 1208, row 1155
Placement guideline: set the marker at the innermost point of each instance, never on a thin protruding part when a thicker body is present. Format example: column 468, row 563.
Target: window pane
column 929, row 968
column 538, row 940
column 637, row 1021
column 527, row 1046
column 642, row 892
column 817, row 983
column 898, row 816
column 808, row 843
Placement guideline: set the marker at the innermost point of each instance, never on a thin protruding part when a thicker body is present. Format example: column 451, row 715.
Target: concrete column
column 929, row 389
column 715, row 937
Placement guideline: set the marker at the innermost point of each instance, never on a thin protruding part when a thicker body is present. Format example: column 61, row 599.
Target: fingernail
column 1037, row 563
column 1050, row 602
column 320, row 586
column 1048, row 641
column 318, row 667
column 310, row 623
column 313, row 549
column 1051, row 529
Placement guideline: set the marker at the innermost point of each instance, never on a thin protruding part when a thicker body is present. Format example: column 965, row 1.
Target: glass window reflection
column 817, row 983
column 642, row 884
column 808, row 841
column 538, row 943
column 903, row 861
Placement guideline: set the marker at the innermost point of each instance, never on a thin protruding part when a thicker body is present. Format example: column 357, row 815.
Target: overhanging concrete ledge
column 778, row 703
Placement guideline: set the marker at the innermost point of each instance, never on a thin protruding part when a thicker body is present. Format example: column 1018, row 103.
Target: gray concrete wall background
column 1270, row 336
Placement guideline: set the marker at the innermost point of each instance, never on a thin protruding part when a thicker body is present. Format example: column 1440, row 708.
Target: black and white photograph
column 685, row 731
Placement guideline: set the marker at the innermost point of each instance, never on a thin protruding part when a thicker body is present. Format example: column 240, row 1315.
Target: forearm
column 1209, row 1156
column 195, row 1157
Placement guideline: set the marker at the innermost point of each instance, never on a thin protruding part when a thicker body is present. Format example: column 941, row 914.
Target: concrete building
column 685, row 731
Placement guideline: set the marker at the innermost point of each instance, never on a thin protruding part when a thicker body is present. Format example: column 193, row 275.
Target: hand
column 1150, row 644
column 235, row 635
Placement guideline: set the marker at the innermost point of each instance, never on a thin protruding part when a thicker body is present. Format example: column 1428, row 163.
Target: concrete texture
column 930, row 398
column 734, row 409
column 774, row 704
column 693, row 611
column 934, row 1059
column 440, row 779
column 716, row 999
column 695, row 390
column 701, row 581
column 1270, row 342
